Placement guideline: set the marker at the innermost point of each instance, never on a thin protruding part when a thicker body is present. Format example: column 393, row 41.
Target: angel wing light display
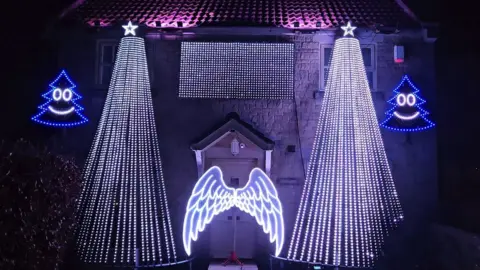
column 211, row 196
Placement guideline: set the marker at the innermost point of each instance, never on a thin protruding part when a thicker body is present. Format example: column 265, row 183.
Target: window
column 369, row 59
column 106, row 53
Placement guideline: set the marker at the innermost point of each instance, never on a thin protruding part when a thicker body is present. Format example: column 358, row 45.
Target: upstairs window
column 369, row 59
column 106, row 54
column 107, row 50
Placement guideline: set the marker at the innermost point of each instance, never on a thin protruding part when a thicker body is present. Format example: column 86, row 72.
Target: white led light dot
column 349, row 202
column 123, row 205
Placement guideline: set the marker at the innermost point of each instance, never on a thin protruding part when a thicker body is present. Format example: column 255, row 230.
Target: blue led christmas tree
column 61, row 108
column 349, row 201
column 123, row 208
column 407, row 114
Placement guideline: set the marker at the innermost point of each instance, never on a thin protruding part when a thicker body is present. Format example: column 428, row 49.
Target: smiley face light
column 407, row 113
column 61, row 108
column 61, row 95
column 406, row 100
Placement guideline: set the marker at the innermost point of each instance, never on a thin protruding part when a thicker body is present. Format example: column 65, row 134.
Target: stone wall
column 181, row 122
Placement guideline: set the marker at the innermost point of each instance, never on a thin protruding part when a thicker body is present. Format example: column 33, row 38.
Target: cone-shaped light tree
column 349, row 201
column 123, row 206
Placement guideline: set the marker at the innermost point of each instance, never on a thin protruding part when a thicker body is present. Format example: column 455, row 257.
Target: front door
column 233, row 229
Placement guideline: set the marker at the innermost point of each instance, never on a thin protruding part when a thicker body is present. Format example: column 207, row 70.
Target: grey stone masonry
column 181, row 122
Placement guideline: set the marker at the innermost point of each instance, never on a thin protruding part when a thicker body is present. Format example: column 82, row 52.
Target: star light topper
column 348, row 29
column 130, row 28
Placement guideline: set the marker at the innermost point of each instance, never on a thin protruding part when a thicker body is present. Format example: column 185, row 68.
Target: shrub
column 38, row 190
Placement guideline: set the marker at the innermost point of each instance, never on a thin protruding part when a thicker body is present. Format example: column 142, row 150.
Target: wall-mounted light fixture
column 235, row 147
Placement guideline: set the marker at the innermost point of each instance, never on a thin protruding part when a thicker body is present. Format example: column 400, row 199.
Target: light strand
column 124, row 198
column 349, row 202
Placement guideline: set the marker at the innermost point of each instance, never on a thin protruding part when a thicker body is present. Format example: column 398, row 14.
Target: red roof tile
column 280, row 13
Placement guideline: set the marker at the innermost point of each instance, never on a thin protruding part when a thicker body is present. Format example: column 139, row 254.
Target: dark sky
column 457, row 109
column 427, row 10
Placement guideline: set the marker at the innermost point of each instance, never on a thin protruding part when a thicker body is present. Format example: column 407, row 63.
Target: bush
column 38, row 190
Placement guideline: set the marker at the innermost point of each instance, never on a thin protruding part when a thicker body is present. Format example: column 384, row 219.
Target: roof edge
column 240, row 126
column 408, row 11
column 73, row 6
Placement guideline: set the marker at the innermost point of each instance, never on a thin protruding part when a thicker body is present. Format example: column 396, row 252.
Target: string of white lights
column 316, row 204
column 167, row 224
column 133, row 139
column 236, row 70
column 348, row 160
column 119, row 114
column 150, row 187
column 298, row 228
column 122, row 146
column 91, row 205
column 328, row 142
column 102, row 209
column 92, row 239
column 156, row 244
column 104, row 176
column 366, row 174
column 358, row 194
column 149, row 178
column 166, row 229
column 349, row 202
column 118, row 127
column 124, row 199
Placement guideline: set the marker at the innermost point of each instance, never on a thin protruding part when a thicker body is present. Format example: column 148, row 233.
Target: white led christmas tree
column 349, row 201
column 123, row 206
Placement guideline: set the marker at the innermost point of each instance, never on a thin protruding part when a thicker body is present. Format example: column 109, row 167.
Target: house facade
column 208, row 92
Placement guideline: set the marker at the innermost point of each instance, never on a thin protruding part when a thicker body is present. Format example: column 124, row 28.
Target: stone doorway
column 233, row 228
column 236, row 162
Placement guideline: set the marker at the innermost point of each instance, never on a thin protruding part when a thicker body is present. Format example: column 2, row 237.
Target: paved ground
column 246, row 266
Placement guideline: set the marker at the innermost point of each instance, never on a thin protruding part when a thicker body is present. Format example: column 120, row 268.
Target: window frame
column 372, row 69
column 99, row 62
column 115, row 43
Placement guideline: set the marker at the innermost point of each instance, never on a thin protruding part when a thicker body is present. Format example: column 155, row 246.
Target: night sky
column 29, row 61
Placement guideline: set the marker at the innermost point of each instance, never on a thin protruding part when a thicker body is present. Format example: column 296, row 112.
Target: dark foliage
column 38, row 190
